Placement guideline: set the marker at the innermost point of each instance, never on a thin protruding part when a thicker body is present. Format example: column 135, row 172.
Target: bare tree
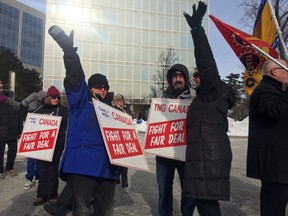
column 165, row 60
column 281, row 14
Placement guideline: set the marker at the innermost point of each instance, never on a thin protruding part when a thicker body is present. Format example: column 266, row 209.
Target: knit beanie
column 53, row 91
column 98, row 80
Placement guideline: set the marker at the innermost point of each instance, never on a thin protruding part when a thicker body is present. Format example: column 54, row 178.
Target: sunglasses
column 196, row 74
column 100, row 87
column 55, row 97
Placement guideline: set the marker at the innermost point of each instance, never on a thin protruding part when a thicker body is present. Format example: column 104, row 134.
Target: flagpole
column 270, row 57
column 278, row 30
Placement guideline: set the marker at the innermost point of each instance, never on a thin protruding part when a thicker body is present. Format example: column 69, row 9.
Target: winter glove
column 3, row 98
column 195, row 21
column 64, row 41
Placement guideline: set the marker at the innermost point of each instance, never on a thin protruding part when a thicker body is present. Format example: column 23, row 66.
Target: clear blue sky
column 227, row 11
column 231, row 13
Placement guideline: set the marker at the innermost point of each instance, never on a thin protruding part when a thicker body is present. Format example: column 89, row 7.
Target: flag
column 240, row 42
column 265, row 27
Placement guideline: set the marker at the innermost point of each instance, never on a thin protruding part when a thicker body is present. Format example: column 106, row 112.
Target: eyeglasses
column 55, row 97
column 100, row 87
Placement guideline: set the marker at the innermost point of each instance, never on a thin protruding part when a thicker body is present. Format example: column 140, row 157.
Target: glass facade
column 32, row 39
column 9, row 27
column 121, row 39
column 22, row 31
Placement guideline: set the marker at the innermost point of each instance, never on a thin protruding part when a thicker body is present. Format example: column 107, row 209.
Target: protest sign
column 39, row 136
column 120, row 137
column 166, row 129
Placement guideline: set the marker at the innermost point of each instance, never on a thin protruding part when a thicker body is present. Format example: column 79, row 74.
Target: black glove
column 195, row 21
column 61, row 38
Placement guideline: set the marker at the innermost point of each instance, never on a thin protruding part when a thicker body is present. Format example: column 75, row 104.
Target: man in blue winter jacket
column 85, row 165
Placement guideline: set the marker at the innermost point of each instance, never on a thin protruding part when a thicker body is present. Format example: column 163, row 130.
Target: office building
column 22, row 31
column 121, row 39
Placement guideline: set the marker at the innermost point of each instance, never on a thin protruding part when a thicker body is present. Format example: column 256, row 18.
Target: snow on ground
column 236, row 128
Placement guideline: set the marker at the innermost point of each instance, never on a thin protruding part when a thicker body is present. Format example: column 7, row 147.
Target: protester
column 32, row 171
column 179, row 87
column 119, row 102
column 268, row 138
column 208, row 154
column 10, row 131
column 85, row 163
column 48, row 171
column 28, row 104
column 196, row 80
column 63, row 205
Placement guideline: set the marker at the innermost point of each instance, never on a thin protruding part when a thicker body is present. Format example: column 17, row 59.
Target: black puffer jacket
column 208, row 154
column 10, row 123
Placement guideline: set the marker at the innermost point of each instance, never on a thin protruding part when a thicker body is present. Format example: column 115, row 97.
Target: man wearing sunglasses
column 85, row 165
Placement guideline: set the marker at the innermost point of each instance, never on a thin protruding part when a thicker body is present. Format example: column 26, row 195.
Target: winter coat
column 187, row 93
column 85, row 152
column 208, row 154
column 10, row 123
column 267, row 157
column 56, row 111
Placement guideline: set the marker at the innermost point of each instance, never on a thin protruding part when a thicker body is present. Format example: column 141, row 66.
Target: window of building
column 32, row 40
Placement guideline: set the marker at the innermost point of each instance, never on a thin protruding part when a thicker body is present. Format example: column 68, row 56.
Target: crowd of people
column 80, row 158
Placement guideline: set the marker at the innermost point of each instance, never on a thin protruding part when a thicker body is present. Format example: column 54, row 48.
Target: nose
column 178, row 76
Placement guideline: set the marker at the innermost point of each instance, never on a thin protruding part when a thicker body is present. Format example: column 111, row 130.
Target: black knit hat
column 98, row 80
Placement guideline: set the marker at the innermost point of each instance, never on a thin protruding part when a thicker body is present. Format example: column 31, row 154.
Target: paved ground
column 140, row 198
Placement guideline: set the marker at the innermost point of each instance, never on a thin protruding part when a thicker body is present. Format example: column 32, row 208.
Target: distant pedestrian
column 119, row 103
column 267, row 158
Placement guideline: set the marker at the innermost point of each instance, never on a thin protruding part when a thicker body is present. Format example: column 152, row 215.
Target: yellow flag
column 264, row 29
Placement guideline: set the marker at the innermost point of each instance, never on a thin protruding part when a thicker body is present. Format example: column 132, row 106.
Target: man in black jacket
column 179, row 87
column 10, row 130
column 208, row 153
column 267, row 157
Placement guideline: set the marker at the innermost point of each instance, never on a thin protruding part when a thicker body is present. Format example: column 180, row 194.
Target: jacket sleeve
column 32, row 97
column 205, row 61
column 74, row 70
column 13, row 104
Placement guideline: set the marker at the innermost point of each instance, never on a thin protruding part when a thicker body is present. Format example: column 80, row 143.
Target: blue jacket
column 85, row 152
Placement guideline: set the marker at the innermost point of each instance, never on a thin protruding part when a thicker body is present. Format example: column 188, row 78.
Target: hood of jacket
column 178, row 67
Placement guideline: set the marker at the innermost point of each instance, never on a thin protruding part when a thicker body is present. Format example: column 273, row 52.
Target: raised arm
column 205, row 61
column 74, row 71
